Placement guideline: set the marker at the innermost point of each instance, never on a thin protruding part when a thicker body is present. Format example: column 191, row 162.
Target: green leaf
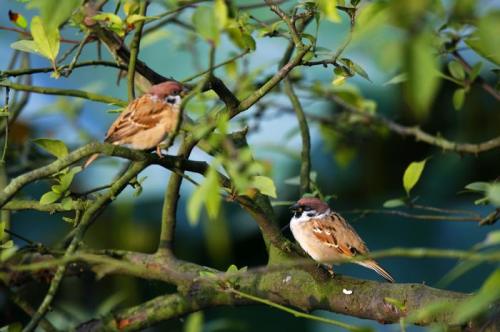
column 478, row 186
column 67, row 203
column 54, row 13
column 18, row 19
column 130, row 7
column 265, row 185
column 329, row 9
column 220, row 13
column 476, row 70
column 422, row 68
column 66, row 179
column 112, row 22
column 49, row 198
column 206, row 194
column 213, row 198
column 7, row 245
column 486, row 40
column 26, row 46
column 412, row 174
column 205, row 24
column 393, row 203
column 353, row 67
column 46, row 38
column 2, row 229
column 493, row 194
column 194, row 322
column 232, row 269
column 456, row 70
column 308, row 56
column 53, row 146
column 397, row 79
column 194, row 206
column 133, row 19
column 481, row 301
column 492, row 238
column 458, row 98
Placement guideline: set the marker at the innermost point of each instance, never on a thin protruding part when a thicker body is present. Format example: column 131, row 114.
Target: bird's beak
column 294, row 207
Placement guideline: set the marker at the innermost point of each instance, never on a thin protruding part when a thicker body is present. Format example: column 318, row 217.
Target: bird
column 326, row 236
column 147, row 120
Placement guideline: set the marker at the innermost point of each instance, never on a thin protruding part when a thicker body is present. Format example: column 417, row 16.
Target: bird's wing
column 334, row 231
column 141, row 114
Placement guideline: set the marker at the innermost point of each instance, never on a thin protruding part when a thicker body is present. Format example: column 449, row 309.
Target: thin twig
column 29, row 71
column 305, row 165
column 234, row 58
column 79, row 50
column 64, row 92
column 26, row 33
column 294, row 312
column 486, row 87
column 418, row 133
column 134, row 51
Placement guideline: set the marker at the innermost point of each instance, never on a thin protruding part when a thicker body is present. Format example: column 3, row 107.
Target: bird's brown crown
column 312, row 203
column 168, row 88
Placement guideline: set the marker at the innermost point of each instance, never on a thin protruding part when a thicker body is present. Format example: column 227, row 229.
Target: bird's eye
column 307, row 208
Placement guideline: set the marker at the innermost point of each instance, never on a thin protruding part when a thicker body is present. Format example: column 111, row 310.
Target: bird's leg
column 158, row 151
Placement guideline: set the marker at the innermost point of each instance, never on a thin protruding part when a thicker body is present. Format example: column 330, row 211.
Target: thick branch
column 169, row 162
column 291, row 287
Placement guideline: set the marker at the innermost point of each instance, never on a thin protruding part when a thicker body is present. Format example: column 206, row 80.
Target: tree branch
column 63, row 92
column 418, row 133
column 134, row 51
column 305, row 165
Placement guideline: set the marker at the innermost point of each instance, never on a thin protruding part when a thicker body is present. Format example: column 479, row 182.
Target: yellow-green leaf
column 412, row 174
column 494, row 194
column 265, row 185
column 130, row 7
column 486, row 40
column 132, row 19
column 393, row 203
column 49, row 198
column 194, row 322
column 205, row 24
column 456, row 70
column 212, row 199
column 422, row 68
column 53, row 146
column 47, row 39
column 458, row 98
column 220, row 13
column 18, row 19
column 329, row 9
column 55, row 13
column 26, row 46
column 480, row 302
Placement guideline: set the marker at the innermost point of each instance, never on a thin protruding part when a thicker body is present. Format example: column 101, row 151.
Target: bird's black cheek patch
column 171, row 100
column 311, row 214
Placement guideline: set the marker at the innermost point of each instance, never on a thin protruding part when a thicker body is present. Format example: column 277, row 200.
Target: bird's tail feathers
column 377, row 268
column 91, row 159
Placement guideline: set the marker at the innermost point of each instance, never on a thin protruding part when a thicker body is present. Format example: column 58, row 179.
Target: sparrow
column 147, row 120
column 325, row 235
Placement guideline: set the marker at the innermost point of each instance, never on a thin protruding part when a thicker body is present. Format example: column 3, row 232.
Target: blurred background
column 362, row 168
